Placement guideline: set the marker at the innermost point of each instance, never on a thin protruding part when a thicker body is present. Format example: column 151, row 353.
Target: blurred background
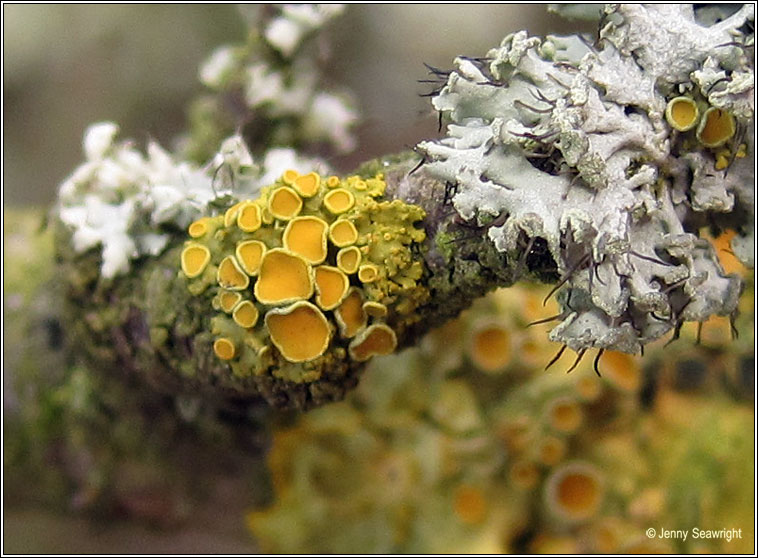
column 67, row 66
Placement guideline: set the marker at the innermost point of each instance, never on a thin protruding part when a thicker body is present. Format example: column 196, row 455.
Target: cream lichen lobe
column 319, row 275
column 617, row 156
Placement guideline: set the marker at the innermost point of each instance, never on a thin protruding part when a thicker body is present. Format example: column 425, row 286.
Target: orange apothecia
column 316, row 275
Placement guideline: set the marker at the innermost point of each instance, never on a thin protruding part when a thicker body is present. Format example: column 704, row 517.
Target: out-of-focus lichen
column 271, row 87
column 79, row 439
column 436, row 451
column 278, row 253
column 560, row 141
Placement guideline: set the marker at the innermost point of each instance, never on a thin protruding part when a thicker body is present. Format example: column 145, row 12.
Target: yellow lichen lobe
column 375, row 340
column 245, row 314
column 231, row 214
column 716, row 127
column 339, row 200
column 722, row 160
column 306, row 236
column 348, row 259
column 230, row 276
column 284, row 203
column 198, row 228
column 289, row 176
column 283, row 277
column 332, row 181
column 375, row 309
column 228, row 300
column 350, row 315
column 342, row 233
column 307, row 185
column 331, row 286
column 300, row 331
column 250, row 255
column 249, row 217
column 682, row 113
column 195, row 258
column 368, row 273
column 490, row 347
column 224, row 348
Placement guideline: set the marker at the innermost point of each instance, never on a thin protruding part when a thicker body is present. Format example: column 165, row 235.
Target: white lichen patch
column 277, row 79
column 287, row 31
column 567, row 141
column 126, row 202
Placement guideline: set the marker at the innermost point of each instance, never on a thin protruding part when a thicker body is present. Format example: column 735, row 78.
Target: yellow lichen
column 230, row 276
column 298, row 246
column 250, row 255
column 231, row 214
column 198, row 228
column 306, row 236
column 195, row 258
column 283, row 278
column 368, row 273
column 249, row 217
column 348, row 259
column 289, row 176
column 224, row 348
column 228, row 300
column 682, row 113
column 245, row 314
column 343, row 233
column 716, row 127
column 284, row 203
column 470, row 505
column 375, row 309
column 375, row 340
column 350, row 315
column 339, row 200
column 551, row 450
column 307, row 185
column 623, row 370
column 300, row 332
column 722, row 159
column 490, row 347
column 331, row 286
column 574, row 492
column 588, row 388
column 565, row 415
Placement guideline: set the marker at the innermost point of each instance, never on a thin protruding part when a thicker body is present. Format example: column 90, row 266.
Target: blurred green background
column 66, row 66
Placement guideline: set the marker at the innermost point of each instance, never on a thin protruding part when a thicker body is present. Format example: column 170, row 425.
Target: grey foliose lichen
column 128, row 205
column 572, row 142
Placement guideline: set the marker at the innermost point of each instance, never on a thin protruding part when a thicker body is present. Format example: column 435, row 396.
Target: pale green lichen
column 288, row 258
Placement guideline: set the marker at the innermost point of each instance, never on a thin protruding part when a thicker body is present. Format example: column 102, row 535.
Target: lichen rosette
column 312, row 279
